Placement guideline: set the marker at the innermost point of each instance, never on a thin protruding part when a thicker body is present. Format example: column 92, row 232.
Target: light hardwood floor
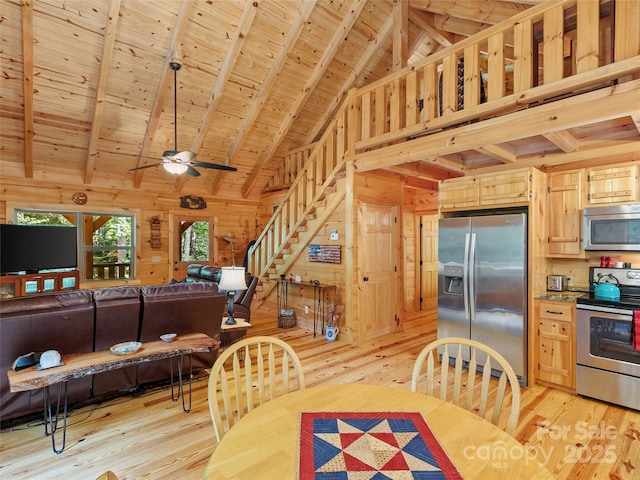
column 150, row 437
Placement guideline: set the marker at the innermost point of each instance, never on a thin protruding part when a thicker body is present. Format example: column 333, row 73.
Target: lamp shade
column 232, row 279
column 175, row 168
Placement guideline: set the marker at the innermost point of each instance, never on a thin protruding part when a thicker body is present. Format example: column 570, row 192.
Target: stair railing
column 307, row 189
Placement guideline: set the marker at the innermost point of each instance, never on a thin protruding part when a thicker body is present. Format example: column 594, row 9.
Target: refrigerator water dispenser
column 453, row 280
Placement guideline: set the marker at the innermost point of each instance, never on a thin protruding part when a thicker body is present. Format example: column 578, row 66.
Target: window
column 106, row 241
column 194, row 241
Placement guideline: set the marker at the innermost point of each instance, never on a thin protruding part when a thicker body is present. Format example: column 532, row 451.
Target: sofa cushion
column 60, row 321
column 193, row 270
column 179, row 308
column 117, row 320
column 210, row 273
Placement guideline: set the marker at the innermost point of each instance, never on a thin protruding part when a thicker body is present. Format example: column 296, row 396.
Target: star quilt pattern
column 370, row 446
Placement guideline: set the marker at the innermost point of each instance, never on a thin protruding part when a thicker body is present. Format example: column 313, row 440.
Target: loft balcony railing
column 553, row 49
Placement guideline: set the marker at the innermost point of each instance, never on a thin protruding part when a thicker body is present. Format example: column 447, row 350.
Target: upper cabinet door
column 564, row 193
column 616, row 184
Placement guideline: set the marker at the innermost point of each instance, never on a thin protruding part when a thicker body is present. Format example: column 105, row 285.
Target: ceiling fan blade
column 192, row 171
column 144, row 166
column 215, row 166
column 133, row 155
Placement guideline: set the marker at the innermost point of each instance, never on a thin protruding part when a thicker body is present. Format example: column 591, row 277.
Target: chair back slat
column 430, row 376
column 445, row 374
column 484, row 391
column 484, row 394
column 246, row 375
column 471, row 380
column 457, row 377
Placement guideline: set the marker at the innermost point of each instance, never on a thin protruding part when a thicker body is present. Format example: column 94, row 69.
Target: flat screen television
column 32, row 248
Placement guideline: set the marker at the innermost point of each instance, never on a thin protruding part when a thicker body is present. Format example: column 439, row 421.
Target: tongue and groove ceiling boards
column 86, row 90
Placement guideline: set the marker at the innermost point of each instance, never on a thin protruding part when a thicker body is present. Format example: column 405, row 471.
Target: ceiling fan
column 175, row 161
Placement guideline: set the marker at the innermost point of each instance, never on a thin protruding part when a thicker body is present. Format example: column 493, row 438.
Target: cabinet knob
column 365, row 279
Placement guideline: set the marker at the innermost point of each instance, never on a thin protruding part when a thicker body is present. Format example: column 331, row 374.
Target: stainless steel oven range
column 608, row 366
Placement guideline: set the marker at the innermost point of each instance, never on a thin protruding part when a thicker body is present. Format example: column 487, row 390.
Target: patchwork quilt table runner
column 370, row 446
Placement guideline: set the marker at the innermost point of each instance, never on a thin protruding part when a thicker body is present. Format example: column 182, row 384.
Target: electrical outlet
column 306, row 309
column 569, row 281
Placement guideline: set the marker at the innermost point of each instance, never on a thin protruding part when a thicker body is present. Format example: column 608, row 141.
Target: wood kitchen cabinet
column 459, row 193
column 614, row 184
column 556, row 348
column 506, row 189
column 512, row 188
column 564, row 191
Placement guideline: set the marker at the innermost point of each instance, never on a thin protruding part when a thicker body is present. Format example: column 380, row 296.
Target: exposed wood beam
column 101, row 87
column 636, row 120
column 164, row 87
column 374, row 45
column 420, row 183
column 580, row 159
column 400, row 15
column 458, row 26
column 424, row 20
column 27, row 85
column 423, row 170
column 267, row 86
column 330, row 51
column 487, row 11
column 504, row 153
column 600, row 105
column 563, row 139
column 233, row 53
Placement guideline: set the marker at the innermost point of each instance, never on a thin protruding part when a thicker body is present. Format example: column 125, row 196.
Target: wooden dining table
column 265, row 443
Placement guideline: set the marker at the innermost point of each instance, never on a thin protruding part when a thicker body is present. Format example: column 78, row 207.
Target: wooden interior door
column 378, row 267
column 428, row 262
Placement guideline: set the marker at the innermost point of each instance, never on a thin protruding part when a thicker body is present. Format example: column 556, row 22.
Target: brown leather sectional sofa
column 242, row 300
column 83, row 321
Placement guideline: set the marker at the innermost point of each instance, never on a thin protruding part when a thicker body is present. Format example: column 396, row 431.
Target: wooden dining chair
column 247, row 374
column 479, row 395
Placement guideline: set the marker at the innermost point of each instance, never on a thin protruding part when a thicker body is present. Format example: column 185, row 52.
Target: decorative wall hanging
column 323, row 253
column 192, row 202
column 155, row 232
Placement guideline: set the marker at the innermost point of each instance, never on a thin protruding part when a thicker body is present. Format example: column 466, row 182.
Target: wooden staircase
column 314, row 195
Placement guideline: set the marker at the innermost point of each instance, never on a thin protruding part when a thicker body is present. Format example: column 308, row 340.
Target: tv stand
column 21, row 285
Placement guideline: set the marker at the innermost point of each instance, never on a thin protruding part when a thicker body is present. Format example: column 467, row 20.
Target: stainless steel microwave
column 612, row 228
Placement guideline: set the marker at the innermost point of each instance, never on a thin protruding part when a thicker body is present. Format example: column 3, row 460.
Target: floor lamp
column 232, row 281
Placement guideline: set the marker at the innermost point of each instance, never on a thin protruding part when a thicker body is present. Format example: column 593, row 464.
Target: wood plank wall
column 154, row 266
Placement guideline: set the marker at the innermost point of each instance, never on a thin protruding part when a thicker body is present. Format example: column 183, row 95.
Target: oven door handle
column 601, row 308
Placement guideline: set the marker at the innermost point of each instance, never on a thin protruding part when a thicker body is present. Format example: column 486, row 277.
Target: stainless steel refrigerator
column 482, row 283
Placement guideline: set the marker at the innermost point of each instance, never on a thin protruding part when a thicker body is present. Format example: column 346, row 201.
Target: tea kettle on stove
column 607, row 290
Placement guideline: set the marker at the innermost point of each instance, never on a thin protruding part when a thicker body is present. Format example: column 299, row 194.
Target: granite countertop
column 564, row 296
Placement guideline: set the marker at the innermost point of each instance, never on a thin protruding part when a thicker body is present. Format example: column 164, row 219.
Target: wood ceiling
column 87, row 92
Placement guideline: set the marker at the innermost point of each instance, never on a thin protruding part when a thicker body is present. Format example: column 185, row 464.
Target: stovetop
column 628, row 282
column 629, row 302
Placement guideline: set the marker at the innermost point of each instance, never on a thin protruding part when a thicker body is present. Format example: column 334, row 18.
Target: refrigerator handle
column 472, row 279
column 465, row 276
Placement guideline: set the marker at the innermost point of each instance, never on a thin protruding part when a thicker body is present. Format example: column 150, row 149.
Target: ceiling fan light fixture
column 184, row 156
column 175, row 168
